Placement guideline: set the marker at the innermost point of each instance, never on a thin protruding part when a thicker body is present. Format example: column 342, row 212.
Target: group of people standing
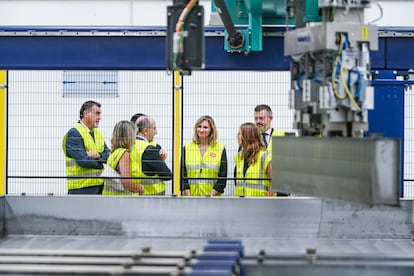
column 140, row 162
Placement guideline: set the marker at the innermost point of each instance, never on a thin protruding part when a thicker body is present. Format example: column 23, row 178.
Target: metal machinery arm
column 234, row 39
column 331, row 93
column 254, row 14
column 330, row 70
column 330, row 46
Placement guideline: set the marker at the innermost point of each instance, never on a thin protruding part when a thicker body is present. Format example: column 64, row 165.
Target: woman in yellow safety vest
column 123, row 138
column 204, row 161
column 253, row 163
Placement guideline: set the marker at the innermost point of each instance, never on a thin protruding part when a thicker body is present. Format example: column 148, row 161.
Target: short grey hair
column 143, row 122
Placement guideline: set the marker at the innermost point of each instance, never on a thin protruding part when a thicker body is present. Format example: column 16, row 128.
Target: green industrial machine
column 251, row 15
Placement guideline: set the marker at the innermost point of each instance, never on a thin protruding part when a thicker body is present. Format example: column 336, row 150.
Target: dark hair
column 87, row 106
column 261, row 107
column 135, row 117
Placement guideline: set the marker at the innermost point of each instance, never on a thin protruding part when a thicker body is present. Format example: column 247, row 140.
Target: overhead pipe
column 235, row 39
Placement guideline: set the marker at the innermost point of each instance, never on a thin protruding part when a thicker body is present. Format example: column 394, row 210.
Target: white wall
column 88, row 12
column 145, row 12
column 394, row 13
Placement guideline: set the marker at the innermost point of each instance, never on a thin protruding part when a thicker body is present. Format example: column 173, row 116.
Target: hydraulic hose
column 234, row 38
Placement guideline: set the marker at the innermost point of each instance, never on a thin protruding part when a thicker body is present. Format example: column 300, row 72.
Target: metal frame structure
column 116, row 48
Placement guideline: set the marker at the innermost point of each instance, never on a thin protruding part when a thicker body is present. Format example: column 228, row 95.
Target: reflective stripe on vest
column 198, row 166
column 246, row 187
column 152, row 184
column 72, row 167
column 112, row 188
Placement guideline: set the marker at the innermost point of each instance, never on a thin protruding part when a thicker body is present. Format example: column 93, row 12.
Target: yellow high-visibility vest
column 198, row 166
column 72, row 167
column 153, row 185
column 112, row 187
column 275, row 133
column 245, row 187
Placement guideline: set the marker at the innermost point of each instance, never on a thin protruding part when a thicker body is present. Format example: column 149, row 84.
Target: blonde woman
column 253, row 163
column 204, row 161
column 123, row 138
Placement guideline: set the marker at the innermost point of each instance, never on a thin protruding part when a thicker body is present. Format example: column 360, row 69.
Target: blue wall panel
column 387, row 118
column 378, row 57
column 271, row 58
column 65, row 52
column 118, row 52
column 400, row 53
column 133, row 52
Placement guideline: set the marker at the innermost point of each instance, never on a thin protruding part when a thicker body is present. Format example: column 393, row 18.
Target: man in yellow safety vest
column 263, row 117
column 85, row 152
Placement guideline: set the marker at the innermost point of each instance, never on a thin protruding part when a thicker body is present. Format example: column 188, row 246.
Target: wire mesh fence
column 41, row 108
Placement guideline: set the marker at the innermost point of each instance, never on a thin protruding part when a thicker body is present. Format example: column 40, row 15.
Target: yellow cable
column 348, row 92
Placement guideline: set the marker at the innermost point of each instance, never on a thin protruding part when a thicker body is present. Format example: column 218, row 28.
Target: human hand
column 141, row 189
column 93, row 154
column 214, row 192
column 163, row 154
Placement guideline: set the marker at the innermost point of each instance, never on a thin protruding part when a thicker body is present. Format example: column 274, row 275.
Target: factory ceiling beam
column 117, row 48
